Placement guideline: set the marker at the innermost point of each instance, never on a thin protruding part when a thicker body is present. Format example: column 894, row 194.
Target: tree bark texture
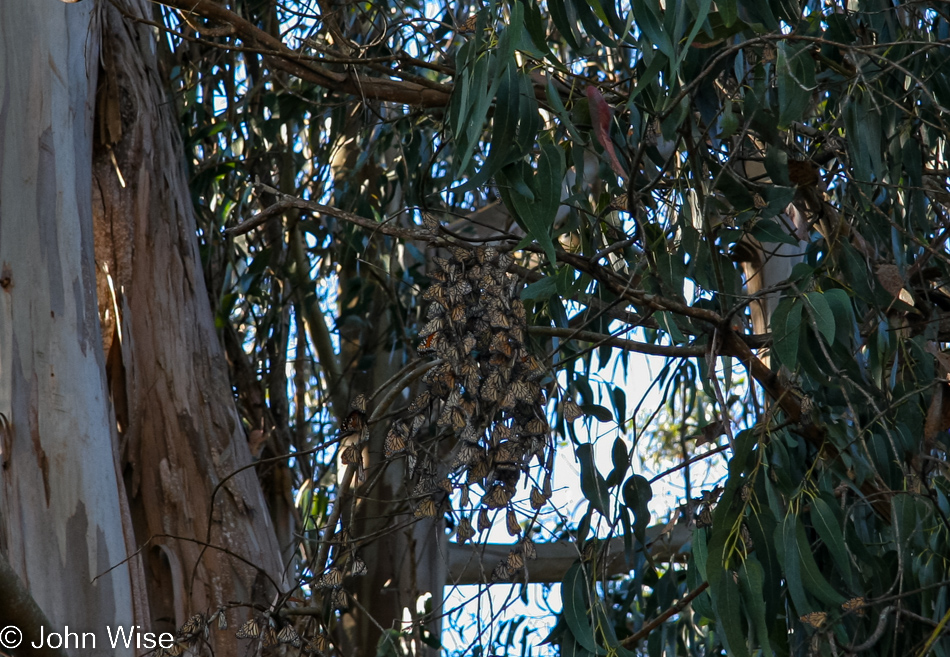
column 179, row 430
column 63, row 517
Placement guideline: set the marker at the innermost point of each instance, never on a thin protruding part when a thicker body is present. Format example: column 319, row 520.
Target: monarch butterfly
column 532, row 365
column 460, row 254
column 854, row 604
column 570, row 410
column 537, row 427
column 432, row 326
column 500, row 344
column 222, row 618
column 515, row 560
column 458, row 291
column 507, row 452
column 497, row 497
column 269, row 637
column 523, row 391
column 446, row 485
column 338, row 599
column 426, row 509
column 351, row 455
column 485, row 253
column 192, row 626
column 498, row 319
column 705, row 517
column 465, row 498
column 501, row 432
column 358, row 567
column 435, row 293
column 469, row 25
column 395, row 440
column 250, row 630
column 420, row 402
column 464, row 531
column 816, row 618
column 458, row 313
column 501, row 573
column 289, row 636
column 504, row 261
column 492, row 386
column 430, row 222
column 477, row 471
column 468, row 453
column 424, row 486
column 317, row 644
column 528, row 549
column 514, row 527
column 435, row 310
column 429, row 344
column 174, row 650
column 331, row 579
column 443, row 264
column 517, row 309
column 537, row 499
column 484, row 522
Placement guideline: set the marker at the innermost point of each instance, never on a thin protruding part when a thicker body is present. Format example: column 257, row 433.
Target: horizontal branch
column 671, row 351
column 473, row 564
column 292, row 62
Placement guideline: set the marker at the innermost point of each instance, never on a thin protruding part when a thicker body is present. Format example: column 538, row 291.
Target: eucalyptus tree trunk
column 65, row 530
column 208, row 537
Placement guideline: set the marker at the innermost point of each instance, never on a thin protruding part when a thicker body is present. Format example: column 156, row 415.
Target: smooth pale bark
column 180, row 432
column 62, row 513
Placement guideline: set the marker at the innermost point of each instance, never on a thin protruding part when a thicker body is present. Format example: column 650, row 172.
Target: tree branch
column 671, row 351
column 473, row 564
column 289, row 61
column 18, row 608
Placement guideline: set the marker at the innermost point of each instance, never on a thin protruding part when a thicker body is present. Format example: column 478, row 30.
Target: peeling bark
column 63, row 519
column 183, row 435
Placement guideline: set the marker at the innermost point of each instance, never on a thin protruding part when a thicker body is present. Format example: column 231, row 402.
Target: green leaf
column 786, row 543
column 795, row 70
column 728, row 607
column 786, row 326
column 828, row 528
column 751, row 582
column 821, row 314
column 637, row 494
column 768, row 231
column 576, row 598
column 621, row 462
column 593, row 484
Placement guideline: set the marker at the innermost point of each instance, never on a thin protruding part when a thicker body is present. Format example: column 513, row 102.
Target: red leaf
column 600, row 117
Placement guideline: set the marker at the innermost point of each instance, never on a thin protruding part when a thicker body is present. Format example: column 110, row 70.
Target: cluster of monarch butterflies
column 484, row 392
column 196, row 629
